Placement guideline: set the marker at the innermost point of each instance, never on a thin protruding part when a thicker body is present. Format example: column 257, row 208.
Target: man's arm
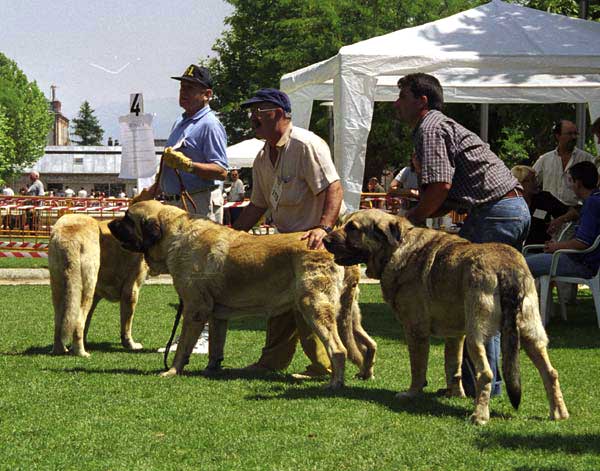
column 430, row 202
column 331, row 211
column 551, row 247
column 209, row 171
column 571, row 215
column 249, row 216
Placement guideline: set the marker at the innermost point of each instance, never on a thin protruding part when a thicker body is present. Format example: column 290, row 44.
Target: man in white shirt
column 552, row 168
column 236, row 192
column 69, row 193
column 7, row 191
column 82, row 193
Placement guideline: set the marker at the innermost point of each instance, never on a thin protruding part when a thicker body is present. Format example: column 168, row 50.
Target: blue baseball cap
column 271, row 95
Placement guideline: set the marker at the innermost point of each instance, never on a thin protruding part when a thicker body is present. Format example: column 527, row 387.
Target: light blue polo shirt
column 204, row 141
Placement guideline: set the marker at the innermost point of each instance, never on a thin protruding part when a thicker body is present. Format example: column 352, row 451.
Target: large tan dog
column 442, row 285
column 220, row 273
column 88, row 264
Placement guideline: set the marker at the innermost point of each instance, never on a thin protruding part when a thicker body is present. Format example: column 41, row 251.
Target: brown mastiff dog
column 88, row 264
column 220, row 273
column 442, row 285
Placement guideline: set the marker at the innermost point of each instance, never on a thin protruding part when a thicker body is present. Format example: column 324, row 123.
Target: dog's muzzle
column 342, row 254
column 124, row 232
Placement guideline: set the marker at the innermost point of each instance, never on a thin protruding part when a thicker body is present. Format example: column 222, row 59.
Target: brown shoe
column 257, row 368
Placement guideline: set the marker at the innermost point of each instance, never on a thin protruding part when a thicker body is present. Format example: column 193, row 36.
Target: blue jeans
column 539, row 264
column 507, row 221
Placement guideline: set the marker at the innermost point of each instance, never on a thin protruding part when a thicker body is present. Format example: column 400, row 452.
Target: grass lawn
column 112, row 411
column 23, row 262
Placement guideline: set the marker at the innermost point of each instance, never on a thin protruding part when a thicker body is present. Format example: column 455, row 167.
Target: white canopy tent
column 495, row 53
column 243, row 153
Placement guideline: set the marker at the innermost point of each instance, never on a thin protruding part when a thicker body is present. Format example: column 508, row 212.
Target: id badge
column 276, row 192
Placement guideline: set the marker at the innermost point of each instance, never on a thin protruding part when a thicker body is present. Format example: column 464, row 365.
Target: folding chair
column 545, row 283
column 566, row 232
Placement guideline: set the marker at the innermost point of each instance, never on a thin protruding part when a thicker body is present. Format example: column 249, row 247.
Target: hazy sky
column 102, row 51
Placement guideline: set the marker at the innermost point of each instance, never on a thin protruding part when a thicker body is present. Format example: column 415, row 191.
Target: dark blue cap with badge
column 196, row 74
column 271, row 95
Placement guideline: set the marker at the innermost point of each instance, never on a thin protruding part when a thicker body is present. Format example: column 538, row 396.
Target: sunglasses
column 252, row 111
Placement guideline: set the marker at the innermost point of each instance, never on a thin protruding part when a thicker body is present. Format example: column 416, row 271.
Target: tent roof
column 243, row 153
column 500, row 37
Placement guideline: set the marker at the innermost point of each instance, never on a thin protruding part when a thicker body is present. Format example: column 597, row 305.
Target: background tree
column 87, row 127
column 25, row 120
column 268, row 38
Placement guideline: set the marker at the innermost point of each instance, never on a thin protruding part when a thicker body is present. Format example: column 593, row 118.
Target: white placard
column 138, row 158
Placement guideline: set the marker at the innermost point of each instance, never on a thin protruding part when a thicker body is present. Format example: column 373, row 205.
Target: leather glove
column 177, row 160
column 144, row 195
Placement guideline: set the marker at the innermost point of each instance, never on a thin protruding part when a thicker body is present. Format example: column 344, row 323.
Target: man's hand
column 555, row 225
column 315, row 238
column 177, row 160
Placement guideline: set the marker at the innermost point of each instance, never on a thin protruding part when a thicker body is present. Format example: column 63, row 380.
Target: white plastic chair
column 545, row 284
column 565, row 232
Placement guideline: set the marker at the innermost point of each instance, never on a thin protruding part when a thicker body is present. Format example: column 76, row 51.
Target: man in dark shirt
column 543, row 205
column 584, row 177
column 459, row 171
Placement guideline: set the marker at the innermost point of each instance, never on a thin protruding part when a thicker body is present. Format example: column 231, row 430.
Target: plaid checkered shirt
column 450, row 153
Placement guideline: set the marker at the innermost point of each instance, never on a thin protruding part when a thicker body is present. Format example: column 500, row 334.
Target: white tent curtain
column 496, row 53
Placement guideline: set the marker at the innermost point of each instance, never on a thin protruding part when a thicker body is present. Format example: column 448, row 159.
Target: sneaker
column 201, row 347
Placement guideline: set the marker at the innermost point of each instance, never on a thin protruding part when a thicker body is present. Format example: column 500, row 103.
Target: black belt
column 191, row 193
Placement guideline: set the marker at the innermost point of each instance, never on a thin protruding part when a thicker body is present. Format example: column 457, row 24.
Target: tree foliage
column 268, row 38
column 87, row 126
column 25, row 119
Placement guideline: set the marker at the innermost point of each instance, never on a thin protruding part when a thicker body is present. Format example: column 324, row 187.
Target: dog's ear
column 388, row 232
column 151, row 232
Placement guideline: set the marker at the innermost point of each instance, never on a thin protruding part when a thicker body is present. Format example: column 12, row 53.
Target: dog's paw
column 560, row 413
column 407, row 395
column 59, row 350
column 82, row 354
column 169, row 373
column 129, row 344
column 365, row 376
column 479, row 419
column 335, row 385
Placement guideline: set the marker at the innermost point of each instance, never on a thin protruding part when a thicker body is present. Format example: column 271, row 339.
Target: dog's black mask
column 342, row 253
column 124, row 231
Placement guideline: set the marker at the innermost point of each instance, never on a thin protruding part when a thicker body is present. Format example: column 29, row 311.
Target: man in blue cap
column 294, row 177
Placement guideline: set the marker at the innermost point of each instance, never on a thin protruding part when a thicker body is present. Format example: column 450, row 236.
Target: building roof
column 81, row 160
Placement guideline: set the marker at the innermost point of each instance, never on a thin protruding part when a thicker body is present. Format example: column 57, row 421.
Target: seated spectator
column 584, row 177
column 7, row 191
column 373, row 186
column 552, row 168
column 543, row 206
column 407, row 178
column 82, row 193
column 69, row 192
column 236, row 191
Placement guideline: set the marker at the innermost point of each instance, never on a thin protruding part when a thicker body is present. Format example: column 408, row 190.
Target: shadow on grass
column 428, row 404
column 105, row 347
column 550, row 441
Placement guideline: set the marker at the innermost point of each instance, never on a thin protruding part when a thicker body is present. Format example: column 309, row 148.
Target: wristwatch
column 327, row 229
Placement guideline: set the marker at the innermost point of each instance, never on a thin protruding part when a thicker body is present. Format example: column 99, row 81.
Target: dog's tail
column 511, row 302
column 349, row 314
column 66, row 286
column 73, row 284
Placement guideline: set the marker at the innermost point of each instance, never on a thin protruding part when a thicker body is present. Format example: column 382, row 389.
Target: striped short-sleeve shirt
column 450, row 153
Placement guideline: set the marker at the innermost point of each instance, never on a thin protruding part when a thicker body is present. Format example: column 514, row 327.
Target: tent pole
column 484, row 120
column 580, row 108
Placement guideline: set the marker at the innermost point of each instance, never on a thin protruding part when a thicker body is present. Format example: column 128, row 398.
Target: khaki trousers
column 283, row 333
column 209, row 204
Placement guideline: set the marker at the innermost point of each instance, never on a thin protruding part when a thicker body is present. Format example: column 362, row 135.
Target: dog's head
column 143, row 227
column 368, row 236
